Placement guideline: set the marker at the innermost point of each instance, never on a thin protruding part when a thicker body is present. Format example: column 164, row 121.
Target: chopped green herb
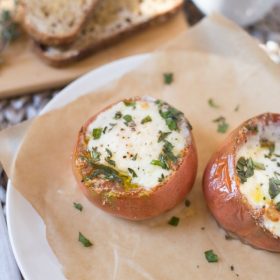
column 161, row 178
column 96, row 133
column 168, row 78
column 165, row 156
column 132, row 172
column 172, row 125
column 171, row 116
column 278, row 164
column 160, row 162
column 259, row 165
column 118, row 115
column 95, row 154
column 108, row 158
column 211, row 256
column 112, row 125
column 105, row 172
column 212, row 103
column 163, row 135
column 189, row 125
column 146, row 119
column 84, row 240
column 167, row 151
column 187, row 203
column 128, row 119
column 222, row 124
column 236, row 109
column 134, row 157
column 109, row 152
column 129, row 103
column 274, row 187
column 265, row 143
column 110, row 161
column 277, row 206
column 104, row 130
column 245, row 169
column 228, row 237
column 252, row 128
column 174, row 221
column 78, row 206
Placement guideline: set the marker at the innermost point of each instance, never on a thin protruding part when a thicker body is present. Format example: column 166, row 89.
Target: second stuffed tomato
column 242, row 182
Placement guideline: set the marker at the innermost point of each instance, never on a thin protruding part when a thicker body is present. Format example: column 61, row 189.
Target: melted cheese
column 256, row 189
column 125, row 142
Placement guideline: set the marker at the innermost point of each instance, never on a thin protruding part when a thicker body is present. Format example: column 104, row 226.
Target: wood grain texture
column 24, row 73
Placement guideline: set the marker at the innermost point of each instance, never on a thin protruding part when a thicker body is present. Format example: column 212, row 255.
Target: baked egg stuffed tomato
column 136, row 159
column 242, row 183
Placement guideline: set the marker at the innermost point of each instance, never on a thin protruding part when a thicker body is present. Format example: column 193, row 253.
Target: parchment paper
column 152, row 249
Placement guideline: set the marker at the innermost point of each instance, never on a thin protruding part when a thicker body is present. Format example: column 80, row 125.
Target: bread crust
column 62, row 61
column 139, row 204
column 55, row 40
column 224, row 199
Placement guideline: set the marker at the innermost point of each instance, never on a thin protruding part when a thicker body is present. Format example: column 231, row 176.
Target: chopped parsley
column 274, row 187
column 146, row 120
column 84, row 240
column 134, row 157
column 78, row 206
column 187, row 203
column 245, row 169
column 168, row 78
column 160, row 162
column 118, row 115
column 161, row 178
column 174, row 221
column 109, row 158
column 163, row 135
column 212, row 103
column 210, row 256
column 222, row 124
column 95, row 155
column 112, row 125
column 96, row 133
column 265, row 143
column 105, row 129
column 110, row 161
column 132, row 172
column 128, row 119
column 252, row 128
column 105, row 172
column 167, row 151
column 171, row 115
column 110, row 154
column 165, row 156
column 277, row 206
column 129, row 103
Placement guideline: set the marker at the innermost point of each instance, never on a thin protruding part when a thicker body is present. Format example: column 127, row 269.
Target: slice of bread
column 111, row 21
column 55, row 22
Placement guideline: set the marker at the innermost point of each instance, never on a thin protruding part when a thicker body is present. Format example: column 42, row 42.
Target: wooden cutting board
column 24, row 73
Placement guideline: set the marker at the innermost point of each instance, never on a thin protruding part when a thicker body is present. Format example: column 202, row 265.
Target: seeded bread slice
column 111, row 21
column 55, row 22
